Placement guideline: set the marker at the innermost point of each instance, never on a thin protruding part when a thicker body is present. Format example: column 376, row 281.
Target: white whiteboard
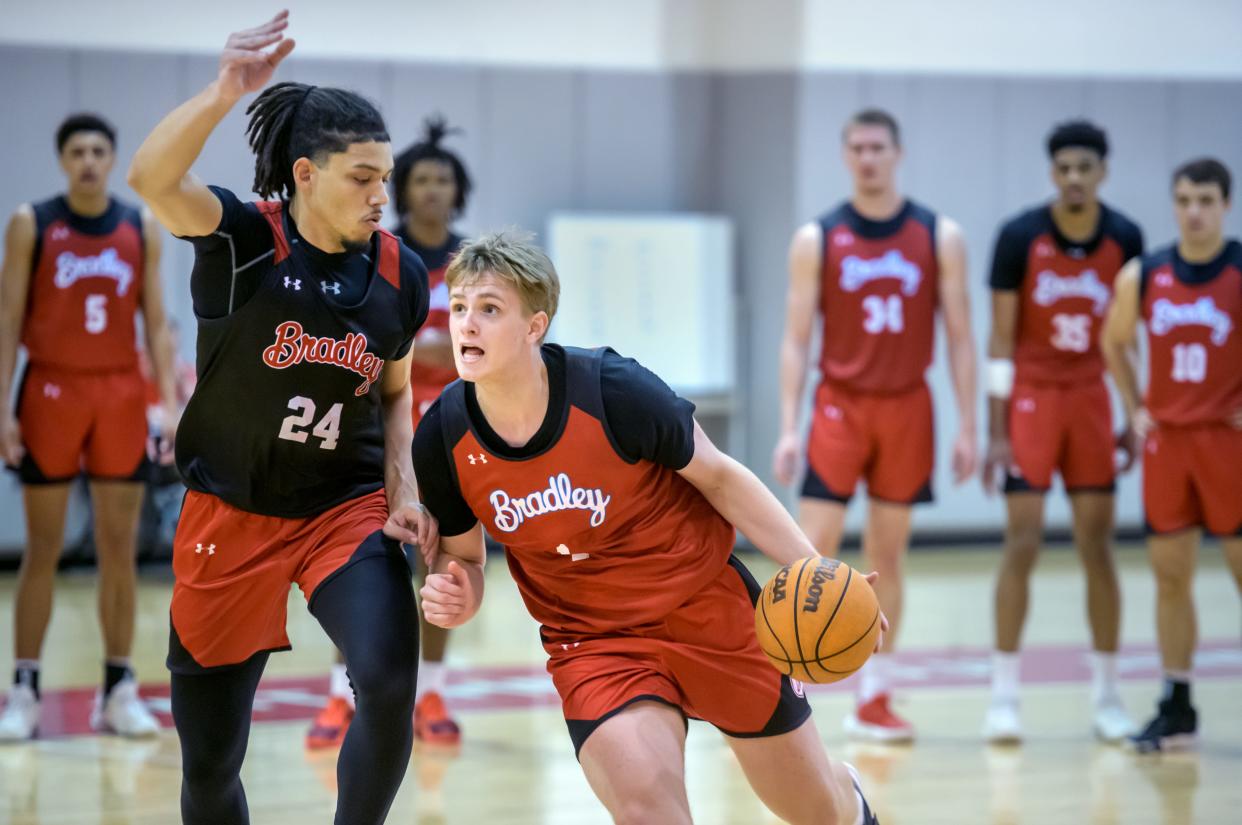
column 655, row 287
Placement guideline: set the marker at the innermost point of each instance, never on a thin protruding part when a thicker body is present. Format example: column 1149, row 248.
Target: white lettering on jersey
column 1166, row 315
column 1051, row 287
column 107, row 264
column 857, row 272
column 560, row 494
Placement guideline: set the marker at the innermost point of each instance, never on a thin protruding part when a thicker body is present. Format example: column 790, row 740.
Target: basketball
column 817, row 620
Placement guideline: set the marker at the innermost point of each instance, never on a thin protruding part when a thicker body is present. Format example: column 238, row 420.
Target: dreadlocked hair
column 435, row 129
column 293, row 120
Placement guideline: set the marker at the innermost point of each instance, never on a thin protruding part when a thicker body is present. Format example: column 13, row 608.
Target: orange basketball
column 817, row 620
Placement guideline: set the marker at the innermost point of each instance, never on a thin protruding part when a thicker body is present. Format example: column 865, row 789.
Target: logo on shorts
column 199, row 548
column 799, row 689
column 107, row 264
column 560, row 494
column 293, row 346
column 51, row 390
column 1166, row 316
column 1051, row 287
column 857, row 272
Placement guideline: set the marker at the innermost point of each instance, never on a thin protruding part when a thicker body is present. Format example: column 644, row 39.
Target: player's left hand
column 879, row 640
column 170, row 417
column 965, row 456
column 413, row 524
column 1130, row 445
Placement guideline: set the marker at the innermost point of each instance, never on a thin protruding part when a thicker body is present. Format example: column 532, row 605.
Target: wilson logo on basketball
column 293, row 346
column 825, row 571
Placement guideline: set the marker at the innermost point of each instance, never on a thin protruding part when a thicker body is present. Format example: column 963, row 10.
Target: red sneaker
column 876, row 721
column 328, row 729
column 432, row 722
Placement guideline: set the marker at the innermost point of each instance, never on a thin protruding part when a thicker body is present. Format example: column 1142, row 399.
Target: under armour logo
column 564, row 551
column 833, row 412
column 296, row 283
column 1043, row 250
column 798, row 688
column 211, row 549
column 1026, row 405
column 477, row 459
column 51, row 390
column 1164, row 279
column 60, row 233
column 333, row 287
column 843, row 239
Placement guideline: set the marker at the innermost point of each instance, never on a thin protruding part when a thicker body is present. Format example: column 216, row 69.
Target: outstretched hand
column 247, row 65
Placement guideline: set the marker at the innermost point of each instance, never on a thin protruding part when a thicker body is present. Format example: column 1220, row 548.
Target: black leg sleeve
column 212, row 714
column 368, row 610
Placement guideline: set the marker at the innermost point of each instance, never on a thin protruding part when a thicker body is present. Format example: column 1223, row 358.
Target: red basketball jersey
column 597, row 543
column 437, row 261
column 1192, row 313
column 1065, row 289
column 878, row 297
column 85, row 286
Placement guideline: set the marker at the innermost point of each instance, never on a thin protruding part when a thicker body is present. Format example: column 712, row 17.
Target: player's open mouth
column 470, row 354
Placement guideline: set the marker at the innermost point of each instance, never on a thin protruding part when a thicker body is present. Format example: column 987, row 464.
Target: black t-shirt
column 1013, row 245
column 436, row 258
column 647, row 421
column 286, row 419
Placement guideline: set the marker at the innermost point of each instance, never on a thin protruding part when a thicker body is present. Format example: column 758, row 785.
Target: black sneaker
column 1173, row 728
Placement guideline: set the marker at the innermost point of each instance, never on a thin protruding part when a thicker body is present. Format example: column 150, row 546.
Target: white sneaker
column 20, row 720
column 124, row 712
column 1002, row 725
column 1111, row 722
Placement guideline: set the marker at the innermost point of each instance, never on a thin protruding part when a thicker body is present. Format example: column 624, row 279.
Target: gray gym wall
column 761, row 148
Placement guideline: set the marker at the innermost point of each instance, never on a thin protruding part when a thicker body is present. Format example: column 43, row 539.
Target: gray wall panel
column 626, row 135
column 38, row 90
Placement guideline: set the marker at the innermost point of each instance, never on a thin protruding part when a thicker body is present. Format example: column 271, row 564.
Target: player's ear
column 303, row 171
column 538, row 326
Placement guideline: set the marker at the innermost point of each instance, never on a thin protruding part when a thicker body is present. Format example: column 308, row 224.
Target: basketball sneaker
column 1173, row 728
column 865, row 816
column 1002, row 725
column 875, row 720
column 123, row 712
column 1111, row 723
column 20, row 720
column 330, row 725
column 432, row 723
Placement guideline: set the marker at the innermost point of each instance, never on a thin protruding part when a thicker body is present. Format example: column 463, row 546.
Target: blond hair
column 512, row 257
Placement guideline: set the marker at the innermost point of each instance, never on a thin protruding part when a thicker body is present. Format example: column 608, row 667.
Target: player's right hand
column 448, row 598
column 785, row 458
column 996, row 464
column 879, row 639
column 11, row 449
column 246, row 65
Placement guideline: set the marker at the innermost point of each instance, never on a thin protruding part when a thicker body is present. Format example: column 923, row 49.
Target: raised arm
column 801, row 304
column 160, row 171
column 955, row 310
column 19, row 243
column 1119, row 344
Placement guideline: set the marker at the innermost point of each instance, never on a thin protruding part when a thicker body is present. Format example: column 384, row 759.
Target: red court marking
column 475, row 689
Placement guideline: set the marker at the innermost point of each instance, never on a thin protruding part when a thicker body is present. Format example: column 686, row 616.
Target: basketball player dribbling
column 295, row 445
column 1188, row 296
column 1052, row 280
column 430, row 186
column 617, row 515
column 77, row 267
column 876, row 269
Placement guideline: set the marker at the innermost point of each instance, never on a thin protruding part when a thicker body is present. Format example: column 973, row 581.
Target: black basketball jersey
column 286, row 418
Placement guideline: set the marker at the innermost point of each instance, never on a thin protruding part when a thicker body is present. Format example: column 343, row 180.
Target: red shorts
column 886, row 440
column 1192, row 477
column 233, row 569
column 704, row 660
column 74, row 421
column 1061, row 428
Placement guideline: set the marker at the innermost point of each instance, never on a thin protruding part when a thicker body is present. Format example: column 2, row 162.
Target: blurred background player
column 876, row 269
column 1189, row 426
column 430, row 187
column 77, row 267
column 1052, row 280
column 307, row 310
column 618, row 517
